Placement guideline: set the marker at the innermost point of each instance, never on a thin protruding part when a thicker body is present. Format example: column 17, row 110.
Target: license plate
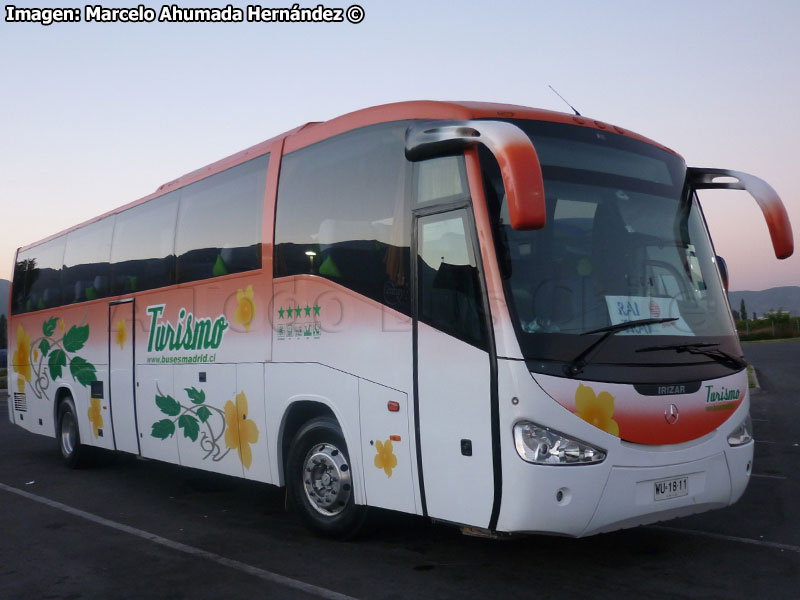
column 671, row 488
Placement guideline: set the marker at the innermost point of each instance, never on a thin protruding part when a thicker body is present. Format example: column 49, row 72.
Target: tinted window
column 342, row 213
column 219, row 225
column 449, row 286
column 441, row 179
column 623, row 241
column 37, row 277
column 142, row 255
column 18, row 291
column 86, row 262
column 219, row 233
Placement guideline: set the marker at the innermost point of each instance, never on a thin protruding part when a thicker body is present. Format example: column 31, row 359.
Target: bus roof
column 315, row 131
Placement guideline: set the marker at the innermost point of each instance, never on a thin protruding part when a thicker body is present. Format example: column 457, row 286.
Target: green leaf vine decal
column 203, row 414
column 49, row 326
column 196, row 396
column 82, row 371
column 190, row 426
column 195, row 419
column 163, row 429
column 168, row 405
column 56, row 362
column 75, row 338
column 58, row 353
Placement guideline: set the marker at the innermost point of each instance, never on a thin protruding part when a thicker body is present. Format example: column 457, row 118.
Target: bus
column 508, row 319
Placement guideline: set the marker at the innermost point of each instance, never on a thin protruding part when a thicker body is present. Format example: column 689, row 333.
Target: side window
column 19, row 292
column 87, row 271
column 219, row 222
column 442, row 179
column 342, row 213
column 449, row 286
column 40, row 270
column 142, row 253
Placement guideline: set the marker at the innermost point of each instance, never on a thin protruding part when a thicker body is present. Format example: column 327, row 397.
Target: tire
column 68, row 435
column 319, row 480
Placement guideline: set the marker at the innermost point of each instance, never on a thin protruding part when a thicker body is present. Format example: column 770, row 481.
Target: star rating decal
column 298, row 311
column 297, row 322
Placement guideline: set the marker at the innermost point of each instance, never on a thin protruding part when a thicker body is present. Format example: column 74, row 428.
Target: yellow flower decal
column 95, row 416
column 240, row 431
column 385, row 459
column 61, row 325
column 21, row 359
column 246, row 307
column 597, row 410
column 122, row 335
column 35, row 355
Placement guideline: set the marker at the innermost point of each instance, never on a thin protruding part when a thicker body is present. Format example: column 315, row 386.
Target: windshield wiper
column 706, row 349
column 577, row 363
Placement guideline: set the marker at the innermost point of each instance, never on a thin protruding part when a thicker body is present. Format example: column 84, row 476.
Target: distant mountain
column 4, row 285
column 779, row 298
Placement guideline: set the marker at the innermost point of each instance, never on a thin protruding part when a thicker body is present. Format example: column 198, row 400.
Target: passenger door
column 452, row 369
column 122, row 393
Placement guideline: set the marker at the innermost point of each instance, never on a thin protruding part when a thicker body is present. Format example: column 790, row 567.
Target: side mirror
column 780, row 229
column 723, row 271
column 519, row 163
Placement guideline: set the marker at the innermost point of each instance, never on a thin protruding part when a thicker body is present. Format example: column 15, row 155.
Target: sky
column 95, row 115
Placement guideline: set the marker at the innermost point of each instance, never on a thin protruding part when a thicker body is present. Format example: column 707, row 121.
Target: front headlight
column 543, row 446
column 742, row 434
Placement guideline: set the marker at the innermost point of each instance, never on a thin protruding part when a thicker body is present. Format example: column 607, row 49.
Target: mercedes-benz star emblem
column 671, row 414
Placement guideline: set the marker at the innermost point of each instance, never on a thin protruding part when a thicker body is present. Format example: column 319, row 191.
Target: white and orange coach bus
column 505, row 318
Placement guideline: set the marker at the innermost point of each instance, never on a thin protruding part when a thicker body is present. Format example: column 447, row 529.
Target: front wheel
column 320, row 482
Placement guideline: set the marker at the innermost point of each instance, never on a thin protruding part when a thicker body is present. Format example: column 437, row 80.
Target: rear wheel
column 68, row 435
column 320, row 481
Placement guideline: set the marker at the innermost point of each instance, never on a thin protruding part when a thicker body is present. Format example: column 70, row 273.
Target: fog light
column 540, row 445
column 563, row 496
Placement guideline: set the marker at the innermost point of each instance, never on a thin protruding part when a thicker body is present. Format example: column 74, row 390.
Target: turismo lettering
column 189, row 333
column 725, row 395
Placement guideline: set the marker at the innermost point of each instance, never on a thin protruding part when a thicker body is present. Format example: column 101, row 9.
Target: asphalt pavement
column 143, row 529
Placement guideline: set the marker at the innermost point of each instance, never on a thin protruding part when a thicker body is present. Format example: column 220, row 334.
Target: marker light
column 542, row 446
column 742, row 434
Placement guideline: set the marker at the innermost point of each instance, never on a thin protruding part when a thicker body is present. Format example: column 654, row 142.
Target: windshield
column 623, row 242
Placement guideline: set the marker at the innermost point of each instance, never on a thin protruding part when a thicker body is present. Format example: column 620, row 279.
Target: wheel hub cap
column 326, row 479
